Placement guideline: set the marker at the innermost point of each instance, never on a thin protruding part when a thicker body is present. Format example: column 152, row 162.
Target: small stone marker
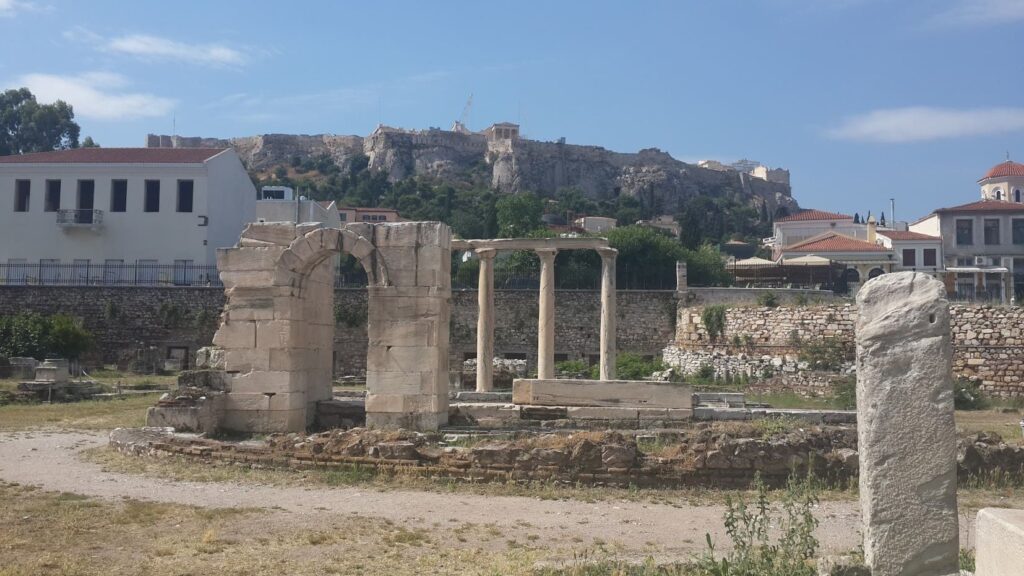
column 906, row 431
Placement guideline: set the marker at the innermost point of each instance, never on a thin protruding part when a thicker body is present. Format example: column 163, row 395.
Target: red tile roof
column 905, row 235
column 116, row 156
column 984, row 206
column 1004, row 169
column 834, row 242
column 805, row 215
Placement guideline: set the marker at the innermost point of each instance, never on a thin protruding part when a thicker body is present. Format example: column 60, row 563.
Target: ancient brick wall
column 988, row 341
column 125, row 320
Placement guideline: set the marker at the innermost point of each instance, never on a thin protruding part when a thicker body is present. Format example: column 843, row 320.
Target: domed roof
column 1004, row 169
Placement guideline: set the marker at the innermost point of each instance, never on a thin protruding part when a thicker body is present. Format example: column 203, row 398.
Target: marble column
column 608, row 355
column 485, row 322
column 546, row 315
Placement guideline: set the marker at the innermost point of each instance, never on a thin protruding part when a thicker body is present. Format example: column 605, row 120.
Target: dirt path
column 48, row 460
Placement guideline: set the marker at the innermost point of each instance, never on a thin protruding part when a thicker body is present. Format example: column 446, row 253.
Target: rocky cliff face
column 517, row 165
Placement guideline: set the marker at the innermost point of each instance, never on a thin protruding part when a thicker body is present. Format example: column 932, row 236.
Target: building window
column 342, row 216
column 147, row 272
column 22, row 191
column 86, row 197
column 965, row 232
column 52, row 201
column 929, row 257
column 185, row 188
column 118, row 195
column 909, row 257
column 17, row 270
column 49, row 271
column 991, row 231
column 152, row 201
column 998, row 194
column 113, row 271
column 1016, row 196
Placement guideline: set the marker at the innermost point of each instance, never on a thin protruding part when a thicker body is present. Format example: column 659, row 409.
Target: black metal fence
column 108, row 274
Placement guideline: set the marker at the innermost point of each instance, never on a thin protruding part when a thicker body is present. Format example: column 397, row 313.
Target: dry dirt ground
column 247, row 528
column 532, row 529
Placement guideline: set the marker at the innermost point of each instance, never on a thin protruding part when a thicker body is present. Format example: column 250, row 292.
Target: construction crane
column 463, row 121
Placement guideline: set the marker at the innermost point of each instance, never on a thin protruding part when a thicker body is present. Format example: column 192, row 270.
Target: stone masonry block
column 245, row 259
column 405, row 333
column 264, row 421
column 246, row 360
column 415, row 383
column 999, row 549
column 269, row 382
column 236, row 335
column 405, row 403
column 280, row 233
column 279, row 334
column 402, row 358
column 256, row 401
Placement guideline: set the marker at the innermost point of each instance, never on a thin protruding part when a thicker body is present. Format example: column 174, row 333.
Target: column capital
column 546, row 253
column 607, row 252
column 485, row 253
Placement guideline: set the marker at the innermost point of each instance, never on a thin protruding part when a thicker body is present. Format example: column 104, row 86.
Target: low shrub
column 967, row 395
column 713, row 318
column 768, row 299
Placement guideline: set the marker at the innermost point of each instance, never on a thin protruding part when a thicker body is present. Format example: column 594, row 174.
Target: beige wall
column 224, row 195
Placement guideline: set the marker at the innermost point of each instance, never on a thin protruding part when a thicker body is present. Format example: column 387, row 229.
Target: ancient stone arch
column 277, row 329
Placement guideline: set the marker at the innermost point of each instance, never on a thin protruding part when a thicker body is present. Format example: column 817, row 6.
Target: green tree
column 706, row 267
column 28, row 126
column 67, row 338
column 519, row 214
column 89, row 143
column 647, row 256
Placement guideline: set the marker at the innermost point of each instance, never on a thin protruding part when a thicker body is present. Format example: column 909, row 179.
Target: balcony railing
column 79, row 218
column 108, row 274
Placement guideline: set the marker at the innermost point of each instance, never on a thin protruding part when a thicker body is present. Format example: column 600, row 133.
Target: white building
column 279, row 204
column 594, row 224
column 121, row 215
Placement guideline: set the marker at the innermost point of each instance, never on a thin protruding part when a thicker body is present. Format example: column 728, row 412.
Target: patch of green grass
column 126, row 411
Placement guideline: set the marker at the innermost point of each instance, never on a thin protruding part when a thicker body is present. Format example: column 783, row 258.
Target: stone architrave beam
column 906, row 432
column 608, row 354
column 546, row 316
column 485, row 322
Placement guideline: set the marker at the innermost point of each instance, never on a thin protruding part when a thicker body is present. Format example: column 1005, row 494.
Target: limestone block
column 280, row 233
column 289, row 308
column 289, row 359
column 235, row 335
column 256, row 401
column 906, row 432
column 364, row 229
column 680, row 413
column 304, row 250
column 625, row 393
column 651, row 414
column 260, row 311
column 269, row 382
column 402, row 358
column 405, row 403
column 382, row 382
column 407, row 333
column 246, row 360
column 279, row 334
column 359, row 247
column 422, row 421
column 264, row 420
column 601, row 413
column 999, row 544
column 243, row 259
column 305, row 228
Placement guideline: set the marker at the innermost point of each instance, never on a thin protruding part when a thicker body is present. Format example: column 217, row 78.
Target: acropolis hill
column 512, row 163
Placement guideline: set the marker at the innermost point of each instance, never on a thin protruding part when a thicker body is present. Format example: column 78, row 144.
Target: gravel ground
column 635, row 529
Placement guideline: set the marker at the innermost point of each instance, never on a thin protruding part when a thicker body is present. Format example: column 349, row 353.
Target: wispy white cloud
column 157, row 48
column 9, row 8
column 979, row 13
column 921, row 123
column 97, row 95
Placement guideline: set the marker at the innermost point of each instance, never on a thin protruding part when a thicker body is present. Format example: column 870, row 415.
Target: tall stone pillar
column 681, row 282
column 906, row 432
column 485, row 322
column 546, row 316
column 608, row 355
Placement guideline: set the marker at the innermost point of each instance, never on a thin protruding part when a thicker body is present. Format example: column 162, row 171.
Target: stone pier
column 906, row 431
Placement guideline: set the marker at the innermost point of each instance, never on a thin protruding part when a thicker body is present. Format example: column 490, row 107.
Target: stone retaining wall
column 988, row 341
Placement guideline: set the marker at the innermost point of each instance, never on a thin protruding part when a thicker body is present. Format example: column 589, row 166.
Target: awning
column 809, row 260
column 754, row 262
column 977, row 269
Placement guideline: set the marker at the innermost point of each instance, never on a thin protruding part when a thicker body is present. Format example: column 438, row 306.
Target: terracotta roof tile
column 805, row 215
column 116, row 156
column 834, row 242
column 905, row 235
column 984, row 206
column 1004, row 169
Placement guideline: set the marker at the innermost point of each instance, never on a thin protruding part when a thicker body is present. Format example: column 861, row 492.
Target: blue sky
column 862, row 100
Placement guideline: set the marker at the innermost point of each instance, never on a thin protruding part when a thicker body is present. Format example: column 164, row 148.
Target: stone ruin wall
column 988, row 341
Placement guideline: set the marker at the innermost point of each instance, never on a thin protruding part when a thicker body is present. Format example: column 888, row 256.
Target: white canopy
column 809, row 260
column 754, row 262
